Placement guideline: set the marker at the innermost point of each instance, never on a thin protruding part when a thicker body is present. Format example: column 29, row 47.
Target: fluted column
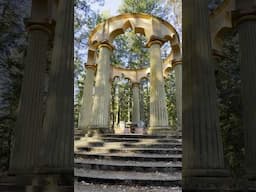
column 29, row 124
column 246, row 24
column 117, row 104
column 203, row 162
column 100, row 116
column 56, row 155
column 136, row 102
column 158, row 120
column 177, row 65
column 87, row 99
column 142, row 115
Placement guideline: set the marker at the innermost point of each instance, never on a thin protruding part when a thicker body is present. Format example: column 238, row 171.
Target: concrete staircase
column 143, row 160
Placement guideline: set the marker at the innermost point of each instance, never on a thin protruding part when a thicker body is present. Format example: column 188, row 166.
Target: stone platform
column 134, row 160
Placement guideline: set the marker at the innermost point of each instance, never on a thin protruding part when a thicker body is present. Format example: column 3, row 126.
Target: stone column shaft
column 136, row 102
column 117, row 105
column 29, row 124
column 100, row 117
column 142, row 114
column 158, row 120
column 57, row 155
column 202, row 143
column 246, row 23
column 87, row 100
column 178, row 84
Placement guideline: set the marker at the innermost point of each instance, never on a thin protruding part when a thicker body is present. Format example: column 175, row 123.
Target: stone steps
column 129, row 159
column 125, row 177
column 131, row 150
column 155, row 145
column 78, row 133
column 173, row 136
column 130, row 145
column 138, row 140
column 119, row 165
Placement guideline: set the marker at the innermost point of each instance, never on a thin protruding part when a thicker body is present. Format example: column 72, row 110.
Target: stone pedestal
column 203, row 162
column 178, row 83
column 158, row 121
column 136, row 102
column 246, row 24
column 101, row 103
column 87, row 100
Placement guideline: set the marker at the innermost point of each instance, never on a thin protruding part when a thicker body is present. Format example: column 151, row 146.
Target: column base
column 251, row 185
column 37, row 182
column 84, row 129
column 214, row 180
column 251, row 180
column 165, row 130
column 96, row 130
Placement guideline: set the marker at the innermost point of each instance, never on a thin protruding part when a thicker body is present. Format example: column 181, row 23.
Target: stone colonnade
column 157, row 32
column 245, row 21
column 29, row 121
column 203, row 161
column 87, row 99
column 98, row 122
column 43, row 143
column 158, row 121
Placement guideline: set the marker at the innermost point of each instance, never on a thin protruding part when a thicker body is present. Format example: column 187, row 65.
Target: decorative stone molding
column 47, row 26
column 240, row 16
column 220, row 20
column 154, row 40
column 176, row 62
column 148, row 25
column 90, row 66
column 106, row 44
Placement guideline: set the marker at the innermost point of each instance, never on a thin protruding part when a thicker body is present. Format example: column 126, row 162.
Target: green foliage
column 137, row 6
column 170, row 90
column 229, row 88
column 130, row 51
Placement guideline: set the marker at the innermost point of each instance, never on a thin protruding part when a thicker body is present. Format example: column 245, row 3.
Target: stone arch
column 218, row 39
column 150, row 26
column 221, row 20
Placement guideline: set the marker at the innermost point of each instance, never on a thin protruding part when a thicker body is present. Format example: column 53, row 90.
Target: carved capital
column 135, row 84
column 106, row 44
column 154, row 40
column 90, row 66
column 240, row 16
column 176, row 62
column 47, row 25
